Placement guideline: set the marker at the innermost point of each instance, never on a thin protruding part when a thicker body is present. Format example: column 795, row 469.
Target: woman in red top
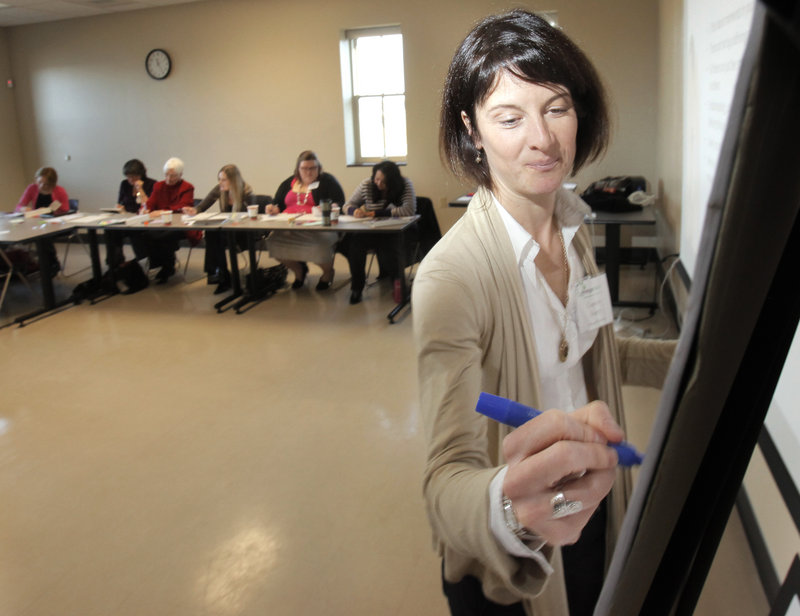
column 298, row 194
column 172, row 194
column 44, row 193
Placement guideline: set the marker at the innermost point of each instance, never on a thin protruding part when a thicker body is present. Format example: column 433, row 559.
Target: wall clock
column 158, row 64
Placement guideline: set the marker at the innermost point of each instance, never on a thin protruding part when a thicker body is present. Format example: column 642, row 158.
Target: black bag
column 132, row 276
column 267, row 280
column 91, row 289
column 611, row 194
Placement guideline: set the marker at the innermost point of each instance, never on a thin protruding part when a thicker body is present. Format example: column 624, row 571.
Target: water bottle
column 397, row 292
column 325, row 208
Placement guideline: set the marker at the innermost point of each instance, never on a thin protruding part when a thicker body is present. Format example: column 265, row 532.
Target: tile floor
column 159, row 458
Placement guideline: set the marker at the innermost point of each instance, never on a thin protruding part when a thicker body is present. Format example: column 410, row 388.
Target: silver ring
column 563, row 507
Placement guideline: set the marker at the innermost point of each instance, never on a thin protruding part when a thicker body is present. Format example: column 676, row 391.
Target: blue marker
column 515, row 414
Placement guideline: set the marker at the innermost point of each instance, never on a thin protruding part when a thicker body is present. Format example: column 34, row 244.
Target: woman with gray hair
column 172, row 194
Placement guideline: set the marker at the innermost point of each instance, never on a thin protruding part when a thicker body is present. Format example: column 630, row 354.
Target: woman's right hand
column 272, row 209
column 560, row 452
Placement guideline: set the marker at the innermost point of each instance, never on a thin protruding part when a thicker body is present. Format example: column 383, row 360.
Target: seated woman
column 47, row 196
column 171, row 195
column 233, row 194
column 134, row 191
column 385, row 193
column 44, row 194
column 299, row 193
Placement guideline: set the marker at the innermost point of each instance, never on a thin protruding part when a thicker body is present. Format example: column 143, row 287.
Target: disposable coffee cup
column 252, row 211
column 335, row 215
column 166, row 219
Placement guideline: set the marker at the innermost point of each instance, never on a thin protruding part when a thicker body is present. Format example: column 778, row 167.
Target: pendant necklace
column 304, row 195
column 563, row 346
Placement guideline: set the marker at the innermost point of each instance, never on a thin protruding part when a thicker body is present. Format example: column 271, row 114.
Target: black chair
column 420, row 239
column 427, row 231
column 261, row 201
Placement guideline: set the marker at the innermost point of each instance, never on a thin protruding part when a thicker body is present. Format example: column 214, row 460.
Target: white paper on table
column 90, row 218
column 37, row 212
column 137, row 220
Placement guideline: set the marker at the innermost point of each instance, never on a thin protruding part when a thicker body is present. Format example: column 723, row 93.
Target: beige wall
column 256, row 82
column 670, row 115
column 11, row 172
column 670, row 137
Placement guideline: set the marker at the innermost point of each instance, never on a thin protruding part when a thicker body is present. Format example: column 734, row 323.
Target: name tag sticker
column 594, row 303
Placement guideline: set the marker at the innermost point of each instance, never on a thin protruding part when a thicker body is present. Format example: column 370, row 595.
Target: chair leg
column 371, row 260
column 11, row 271
column 186, row 267
column 7, row 277
column 77, row 235
column 188, row 258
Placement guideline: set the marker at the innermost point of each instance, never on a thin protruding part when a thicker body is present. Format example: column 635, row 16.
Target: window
column 373, row 86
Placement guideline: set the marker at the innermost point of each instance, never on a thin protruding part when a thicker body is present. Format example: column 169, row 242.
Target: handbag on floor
column 132, row 276
column 267, row 280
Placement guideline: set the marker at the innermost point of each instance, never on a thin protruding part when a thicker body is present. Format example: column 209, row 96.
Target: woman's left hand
column 363, row 213
column 191, row 211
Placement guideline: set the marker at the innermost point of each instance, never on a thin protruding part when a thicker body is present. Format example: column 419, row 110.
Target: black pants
column 584, row 564
column 216, row 247
column 466, row 598
column 161, row 248
column 356, row 247
column 115, row 239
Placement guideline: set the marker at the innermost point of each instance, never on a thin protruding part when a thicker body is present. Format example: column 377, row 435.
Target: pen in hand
column 515, row 414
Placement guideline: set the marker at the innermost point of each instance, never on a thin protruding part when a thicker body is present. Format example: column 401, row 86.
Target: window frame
column 352, row 127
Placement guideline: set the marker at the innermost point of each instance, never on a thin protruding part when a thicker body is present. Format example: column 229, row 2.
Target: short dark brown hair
column 134, row 167
column 531, row 49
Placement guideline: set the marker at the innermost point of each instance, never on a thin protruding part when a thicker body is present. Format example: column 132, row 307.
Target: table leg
column 46, row 281
column 236, row 281
column 400, row 259
column 256, row 290
column 612, row 261
column 94, row 253
column 45, row 275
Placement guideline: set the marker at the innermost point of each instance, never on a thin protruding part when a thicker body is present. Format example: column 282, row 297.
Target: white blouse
column 562, row 383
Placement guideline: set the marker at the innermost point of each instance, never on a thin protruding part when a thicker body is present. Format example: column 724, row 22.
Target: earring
column 478, row 158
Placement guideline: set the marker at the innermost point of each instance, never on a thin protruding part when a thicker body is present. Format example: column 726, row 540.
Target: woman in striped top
column 385, row 193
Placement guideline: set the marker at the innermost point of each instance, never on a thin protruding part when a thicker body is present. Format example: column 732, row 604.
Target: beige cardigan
column 473, row 334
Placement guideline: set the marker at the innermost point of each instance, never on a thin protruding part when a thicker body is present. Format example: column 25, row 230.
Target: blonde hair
column 235, row 194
